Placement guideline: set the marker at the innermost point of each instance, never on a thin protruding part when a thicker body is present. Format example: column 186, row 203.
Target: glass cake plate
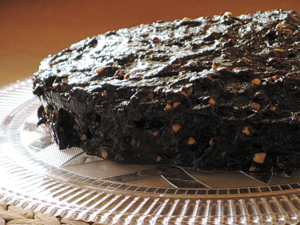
column 35, row 175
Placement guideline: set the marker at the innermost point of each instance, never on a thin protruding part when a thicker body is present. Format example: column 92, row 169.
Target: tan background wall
column 32, row 29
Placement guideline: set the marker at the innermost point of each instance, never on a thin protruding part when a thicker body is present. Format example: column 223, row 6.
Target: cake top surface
column 154, row 53
column 235, row 54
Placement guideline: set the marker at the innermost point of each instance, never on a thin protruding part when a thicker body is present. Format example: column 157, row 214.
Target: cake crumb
column 155, row 133
column 256, row 81
column 191, row 141
column 104, row 155
column 246, row 131
column 83, row 137
column 221, row 68
column 150, row 95
column 126, row 76
column 176, row 127
column 190, row 90
column 168, row 107
column 183, row 93
column 252, row 168
column 176, row 104
column 256, row 106
column 212, row 101
column 259, row 157
column 214, row 66
column 156, row 40
column 279, row 25
column 279, row 50
column 286, row 30
column 100, row 70
column 104, row 94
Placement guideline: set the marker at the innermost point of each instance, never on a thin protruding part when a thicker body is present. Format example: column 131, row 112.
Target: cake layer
column 219, row 92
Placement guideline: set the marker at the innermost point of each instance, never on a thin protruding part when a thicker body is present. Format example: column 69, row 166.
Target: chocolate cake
column 211, row 93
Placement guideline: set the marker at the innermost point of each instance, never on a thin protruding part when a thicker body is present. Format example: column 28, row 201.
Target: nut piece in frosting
column 260, row 157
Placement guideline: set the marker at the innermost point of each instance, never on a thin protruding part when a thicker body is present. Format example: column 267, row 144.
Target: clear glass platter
column 35, row 175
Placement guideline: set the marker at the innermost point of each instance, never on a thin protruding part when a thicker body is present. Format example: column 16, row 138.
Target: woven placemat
column 11, row 215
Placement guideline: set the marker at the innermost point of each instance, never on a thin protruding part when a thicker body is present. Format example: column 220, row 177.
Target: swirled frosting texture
column 187, row 92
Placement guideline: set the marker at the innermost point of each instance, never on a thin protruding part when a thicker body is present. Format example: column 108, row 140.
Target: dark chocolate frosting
column 230, row 85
